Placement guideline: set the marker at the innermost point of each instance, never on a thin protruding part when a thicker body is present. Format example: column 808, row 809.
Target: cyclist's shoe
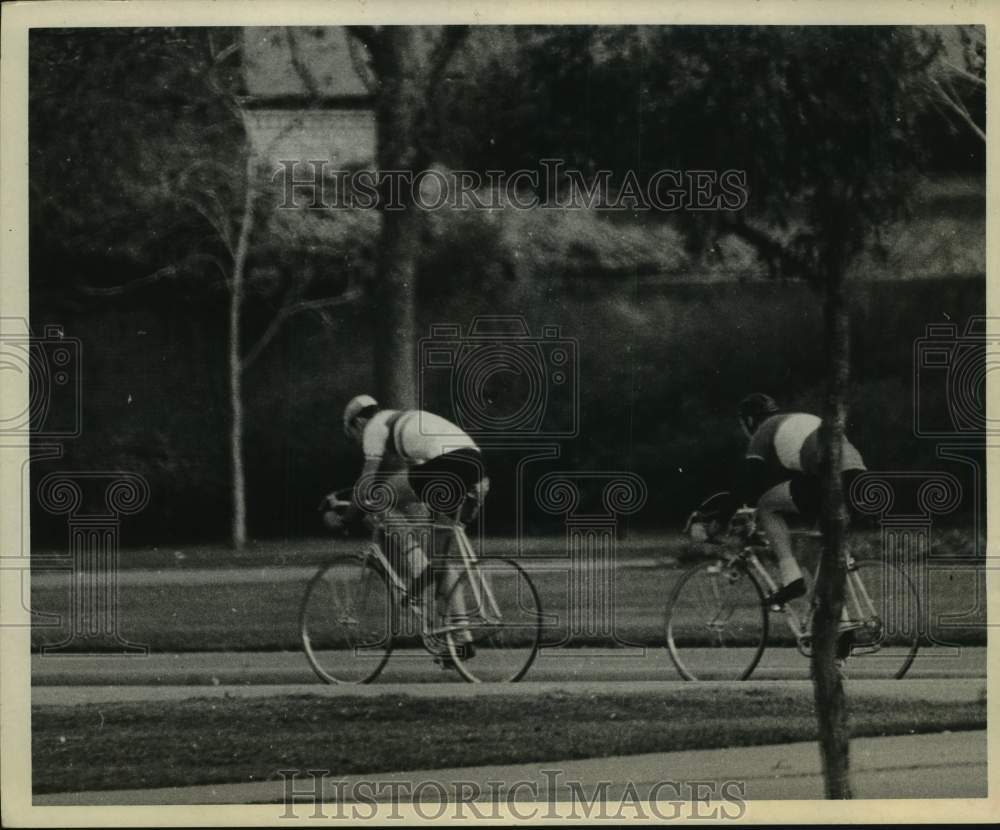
column 793, row 590
column 844, row 644
column 466, row 651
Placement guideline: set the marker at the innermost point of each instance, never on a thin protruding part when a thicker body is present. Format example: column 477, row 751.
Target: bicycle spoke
column 716, row 623
column 345, row 621
column 884, row 611
column 493, row 622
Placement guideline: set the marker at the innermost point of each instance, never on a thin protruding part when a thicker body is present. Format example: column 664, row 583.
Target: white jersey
column 417, row 436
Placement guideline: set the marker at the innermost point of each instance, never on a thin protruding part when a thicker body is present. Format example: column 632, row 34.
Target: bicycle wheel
column 345, row 620
column 886, row 608
column 716, row 623
column 493, row 622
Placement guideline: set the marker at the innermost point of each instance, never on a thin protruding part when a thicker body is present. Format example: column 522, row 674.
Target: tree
column 828, row 119
column 956, row 80
column 824, row 123
column 408, row 64
column 176, row 193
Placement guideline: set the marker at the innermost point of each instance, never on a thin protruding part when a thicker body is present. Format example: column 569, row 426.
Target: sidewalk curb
column 900, row 766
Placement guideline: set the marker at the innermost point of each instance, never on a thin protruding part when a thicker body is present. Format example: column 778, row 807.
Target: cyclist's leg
column 808, row 497
column 406, row 533
column 770, row 509
column 452, row 485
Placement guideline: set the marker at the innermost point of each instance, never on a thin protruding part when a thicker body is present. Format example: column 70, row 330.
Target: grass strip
column 205, row 741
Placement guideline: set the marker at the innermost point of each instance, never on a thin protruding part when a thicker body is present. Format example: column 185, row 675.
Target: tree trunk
column 831, row 702
column 239, row 527
column 398, row 110
column 395, row 316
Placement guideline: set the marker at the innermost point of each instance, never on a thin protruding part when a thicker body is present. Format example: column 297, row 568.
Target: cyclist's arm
column 353, row 514
column 750, row 483
column 373, row 442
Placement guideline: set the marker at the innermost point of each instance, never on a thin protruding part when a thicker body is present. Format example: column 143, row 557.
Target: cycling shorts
column 444, row 482
column 802, row 494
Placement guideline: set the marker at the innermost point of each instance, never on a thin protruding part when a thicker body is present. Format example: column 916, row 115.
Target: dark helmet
column 757, row 406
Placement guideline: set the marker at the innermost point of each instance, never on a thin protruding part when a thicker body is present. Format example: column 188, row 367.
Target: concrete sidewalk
column 943, row 765
column 409, row 666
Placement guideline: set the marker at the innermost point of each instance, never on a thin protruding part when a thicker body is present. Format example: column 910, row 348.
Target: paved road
column 414, row 666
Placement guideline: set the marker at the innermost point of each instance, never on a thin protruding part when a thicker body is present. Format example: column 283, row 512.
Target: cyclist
column 420, row 457
column 780, row 476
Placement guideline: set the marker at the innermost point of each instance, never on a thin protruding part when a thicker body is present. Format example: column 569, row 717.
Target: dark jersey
column 789, row 443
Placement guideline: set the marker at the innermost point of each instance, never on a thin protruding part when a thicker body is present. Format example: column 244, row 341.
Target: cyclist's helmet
column 360, row 406
column 754, row 408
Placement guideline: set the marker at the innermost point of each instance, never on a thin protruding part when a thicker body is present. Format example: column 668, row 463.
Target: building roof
column 324, row 56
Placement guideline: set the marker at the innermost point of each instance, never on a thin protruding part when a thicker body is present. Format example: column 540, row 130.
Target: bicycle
column 718, row 615
column 490, row 623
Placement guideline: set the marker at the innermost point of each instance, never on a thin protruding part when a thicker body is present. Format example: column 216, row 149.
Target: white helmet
column 357, row 405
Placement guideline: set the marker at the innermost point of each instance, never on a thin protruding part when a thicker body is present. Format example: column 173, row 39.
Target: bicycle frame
column 482, row 592
column 858, row 606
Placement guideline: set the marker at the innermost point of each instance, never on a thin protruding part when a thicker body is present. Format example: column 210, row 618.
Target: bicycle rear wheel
column 493, row 622
column 716, row 623
column 345, row 620
column 886, row 609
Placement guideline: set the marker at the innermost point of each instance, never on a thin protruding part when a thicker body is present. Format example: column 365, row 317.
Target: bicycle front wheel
column 882, row 601
column 346, row 620
column 493, row 622
column 716, row 623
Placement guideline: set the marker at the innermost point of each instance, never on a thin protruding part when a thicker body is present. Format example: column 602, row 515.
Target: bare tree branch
column 958, row 109
column 451, row 38
column 218, row 223
column 166, row 272
column 303, row 71
column 361, row 67
column 424, row 123
column 322, row 304
column 223, row 54
column 370, row 37
column 964, row 73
